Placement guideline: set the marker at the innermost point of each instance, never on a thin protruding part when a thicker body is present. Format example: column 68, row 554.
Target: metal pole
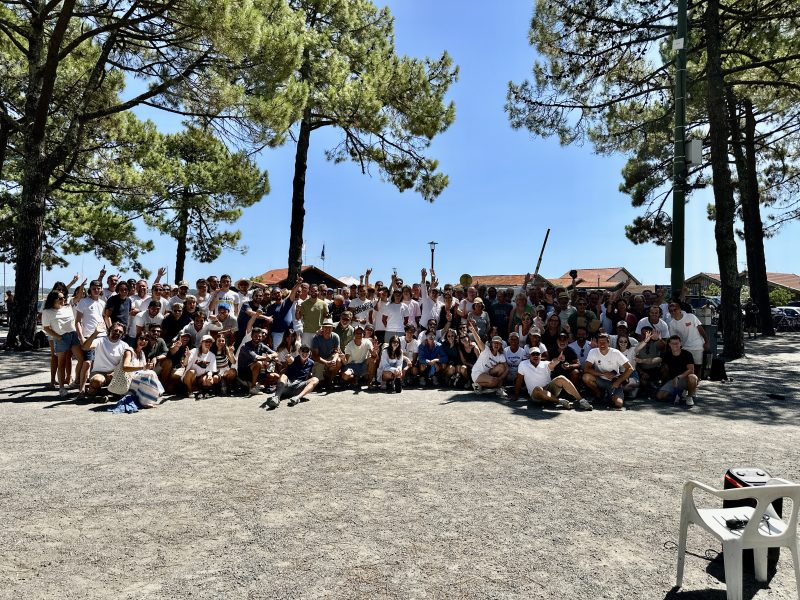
column 677, row 249
column 432, row 244
column 539, row 262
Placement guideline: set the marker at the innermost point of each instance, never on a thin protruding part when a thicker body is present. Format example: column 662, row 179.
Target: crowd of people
column 566, row 347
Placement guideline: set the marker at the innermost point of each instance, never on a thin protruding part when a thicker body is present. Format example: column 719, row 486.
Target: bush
column 780, row 297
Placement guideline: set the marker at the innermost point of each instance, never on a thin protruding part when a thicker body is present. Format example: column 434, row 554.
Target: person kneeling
column 489, row 372
column 200, row 372
column 296, row 382
column 541, row 388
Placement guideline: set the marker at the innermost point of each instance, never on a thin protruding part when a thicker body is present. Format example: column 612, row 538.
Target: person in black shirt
column 499, row 312
column 297, row 382
column 678, row 373
column 118, row 307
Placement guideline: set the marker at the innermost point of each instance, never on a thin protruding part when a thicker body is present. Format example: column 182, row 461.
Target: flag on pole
column 322, row 256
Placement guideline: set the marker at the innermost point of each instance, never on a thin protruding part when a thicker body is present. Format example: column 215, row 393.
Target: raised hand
column 424, row 272
column 162, row 271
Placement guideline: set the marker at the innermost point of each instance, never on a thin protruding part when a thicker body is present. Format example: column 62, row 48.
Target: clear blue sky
column 506, row 188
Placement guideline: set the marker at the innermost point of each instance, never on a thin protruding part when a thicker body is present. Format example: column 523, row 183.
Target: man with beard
column 108, row 353
column 279, row 310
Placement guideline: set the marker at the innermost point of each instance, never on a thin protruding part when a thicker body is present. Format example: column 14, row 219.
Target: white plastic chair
column 764, row 530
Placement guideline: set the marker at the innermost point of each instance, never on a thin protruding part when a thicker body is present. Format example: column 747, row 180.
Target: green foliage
column 714, row 290
column 780, row 296
column 387, row 107
column 200, row 185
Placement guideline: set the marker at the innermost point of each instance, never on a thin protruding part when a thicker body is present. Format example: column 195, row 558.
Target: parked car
column 701, row 301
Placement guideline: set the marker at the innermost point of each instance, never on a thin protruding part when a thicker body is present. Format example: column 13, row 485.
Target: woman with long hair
column 550, row 334
column 392, row 367
column 141, row 381
column 201, row 367
column 468, row 352
column 625, row 346
column 226, row 364
column 288, row 349
column 521, row 308
column 455, row 372
column 524, row 328
column 58, row 322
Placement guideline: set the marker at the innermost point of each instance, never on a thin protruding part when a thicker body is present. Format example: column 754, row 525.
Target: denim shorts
column 67, row 341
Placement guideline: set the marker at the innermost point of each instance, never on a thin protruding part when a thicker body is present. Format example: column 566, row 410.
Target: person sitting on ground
column 489, row 371
column 140, row 379
column 628, row 348
column 410, row 347
column 606, row 370
column 357, row 353
column 515, row 355
column 108, row 354
column 569, row 365
column 326, row 353
column 174, row 366
column 393, row 366
column 648, row 358
column 543, row 387
column 678, row 372
column 255, row 358
column 431, row 360
column 156, row 349
column 455, row 372
column 297, row 382
column 225, row 359
column 694, row 338
column 374, row 356
column 288, row 349
column 199, row 376
column 468, row 353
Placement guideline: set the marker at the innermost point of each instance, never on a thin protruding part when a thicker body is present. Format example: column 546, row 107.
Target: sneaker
column 293, row 401
column 197, row 396
column 223, row 388
column 254, row 391
column 435, row 380
column 689, row 400
column 584, row 404
column 398, row 385
column 422, row 382
column 273, row 401
column 477, row 388
column 501, row 393
column 73, row 385
column 389, row 388
column 564, row 403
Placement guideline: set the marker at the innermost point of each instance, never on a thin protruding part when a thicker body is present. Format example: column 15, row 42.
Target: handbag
column 120, row 381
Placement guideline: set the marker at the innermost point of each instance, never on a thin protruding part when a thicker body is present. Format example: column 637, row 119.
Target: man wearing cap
column 325, row 351
column 480, row 318
column 257, row 360
column 489, row 371
column 297, row 382
column 515, row 355
column 542, row 387
column 357, row 353
column 313, row 312
column 183, row 290
column 606, row 370
column 431, row 360
column 569, row 364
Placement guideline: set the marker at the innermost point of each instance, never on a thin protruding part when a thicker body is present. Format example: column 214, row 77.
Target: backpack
column 717, row 371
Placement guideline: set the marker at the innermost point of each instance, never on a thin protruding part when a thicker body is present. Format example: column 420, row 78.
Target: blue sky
column 506, row 187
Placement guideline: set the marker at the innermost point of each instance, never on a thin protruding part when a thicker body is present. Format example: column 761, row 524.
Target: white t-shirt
column 176, row 300
column 107, row 355
column 686, row 328
column 414, row 310
column 165, row 306
column 137, row 303
column 143, row 320
column 661, row 327
column 377, row 317
column 541, row 346
column 409, row 348
column 397, row 314
column 229, row 297
column 465, row 306
column 514, row 359
column 424, row 335
column 538, row 376
column 92, row 311
column 202, row 302
column 613, row 360
column 202, row 363
column 358, row 354
column 486, row 361
column 360, row 309
column 430, row 309
column 61, row 320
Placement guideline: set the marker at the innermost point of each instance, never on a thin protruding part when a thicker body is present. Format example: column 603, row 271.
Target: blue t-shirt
column 325, row 347
column 299, row 370
column 279, row 311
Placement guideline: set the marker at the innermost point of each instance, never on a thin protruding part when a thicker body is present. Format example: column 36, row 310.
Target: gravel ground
column 426, row 494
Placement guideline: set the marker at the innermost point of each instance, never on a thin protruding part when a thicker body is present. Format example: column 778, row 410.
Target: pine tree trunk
column 730, row 312
column 753, row 227
column 298, row 199
column 180, row 254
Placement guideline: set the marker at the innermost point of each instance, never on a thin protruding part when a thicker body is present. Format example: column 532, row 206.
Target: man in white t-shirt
column 89, row 311
column 654, row 320
column 157, row 291
column 150, row 316
column 180, row 297
column 606, row 370
column 360, row 307
column 489, row 371
column 410, row 348
column 357, row 353
column 225, row 295
column 108, row 353
column 694, row 338
column 515, row 355
column 536, row 375
column 430, row 299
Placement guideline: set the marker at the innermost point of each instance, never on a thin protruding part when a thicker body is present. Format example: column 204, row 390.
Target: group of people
column 567, row 347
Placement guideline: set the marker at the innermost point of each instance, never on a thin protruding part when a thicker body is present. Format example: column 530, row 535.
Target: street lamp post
column 679, row 161
column 433, row 249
